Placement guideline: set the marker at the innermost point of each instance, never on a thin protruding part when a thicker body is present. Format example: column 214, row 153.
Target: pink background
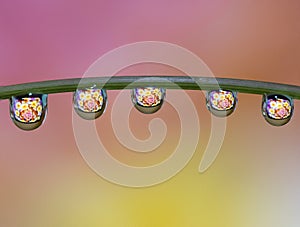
column 254, row 181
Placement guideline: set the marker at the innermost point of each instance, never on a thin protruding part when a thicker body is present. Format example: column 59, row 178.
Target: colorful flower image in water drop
column 148, row 99
column 277, row 109
column 28, row 111
column 90, row 103
column 221, row 103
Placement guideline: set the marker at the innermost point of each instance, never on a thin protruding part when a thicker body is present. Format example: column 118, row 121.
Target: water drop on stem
column 148, row 100
column 277, row 109
column 221, row 103
column 90, row 103
column 28, row 111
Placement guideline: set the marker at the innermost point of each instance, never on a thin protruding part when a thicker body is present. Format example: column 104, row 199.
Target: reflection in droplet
column 89, row 103
column 221, row 103
column 148, row 100
column 28, row 111
column 277, row 109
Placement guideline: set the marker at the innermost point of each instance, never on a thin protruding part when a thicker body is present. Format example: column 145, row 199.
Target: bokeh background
column 255, row 179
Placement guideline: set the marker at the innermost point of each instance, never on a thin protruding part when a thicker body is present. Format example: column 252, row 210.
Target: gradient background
column 255, row 179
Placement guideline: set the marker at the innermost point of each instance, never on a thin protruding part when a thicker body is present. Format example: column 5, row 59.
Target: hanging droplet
column 148, row 100
column 221, row 103
column 90, row 103
column 28, row 111
column 277, row 109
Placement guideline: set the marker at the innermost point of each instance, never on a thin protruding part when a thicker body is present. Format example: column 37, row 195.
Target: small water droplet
column 28, row 111
column 277, row 109
column 148, row 100
column 90, row 103
column 221, row 103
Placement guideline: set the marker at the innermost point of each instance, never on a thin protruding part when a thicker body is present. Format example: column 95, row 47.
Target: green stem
column 168, row 82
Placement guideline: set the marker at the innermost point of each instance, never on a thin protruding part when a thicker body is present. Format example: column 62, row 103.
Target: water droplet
column 148, row 100
column 90, row 103
column 221, row 103
column 28, row 111
column 277, row 109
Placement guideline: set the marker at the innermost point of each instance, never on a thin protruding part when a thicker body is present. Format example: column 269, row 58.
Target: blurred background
column 255, row 179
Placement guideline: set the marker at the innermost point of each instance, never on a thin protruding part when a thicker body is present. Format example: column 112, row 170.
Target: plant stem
column 168, row 82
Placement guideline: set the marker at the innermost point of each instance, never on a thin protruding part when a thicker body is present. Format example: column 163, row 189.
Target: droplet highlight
column 90, row 103
column 148, row 100
column 221, row 103
column 277, row 109
column 28, row 111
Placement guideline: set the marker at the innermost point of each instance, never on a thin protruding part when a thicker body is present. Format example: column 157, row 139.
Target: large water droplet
column 277, row 109
column 221, row 103
column 148, row 100
column 28, row 111
column 90, row 103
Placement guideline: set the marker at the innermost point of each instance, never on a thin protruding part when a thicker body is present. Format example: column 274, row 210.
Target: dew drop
column 90, row 103
column 277, row 109
column 28, row 112
column 148, row 100
column 221, row 103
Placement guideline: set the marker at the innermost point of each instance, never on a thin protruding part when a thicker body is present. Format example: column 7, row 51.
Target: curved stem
column 169, row 82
